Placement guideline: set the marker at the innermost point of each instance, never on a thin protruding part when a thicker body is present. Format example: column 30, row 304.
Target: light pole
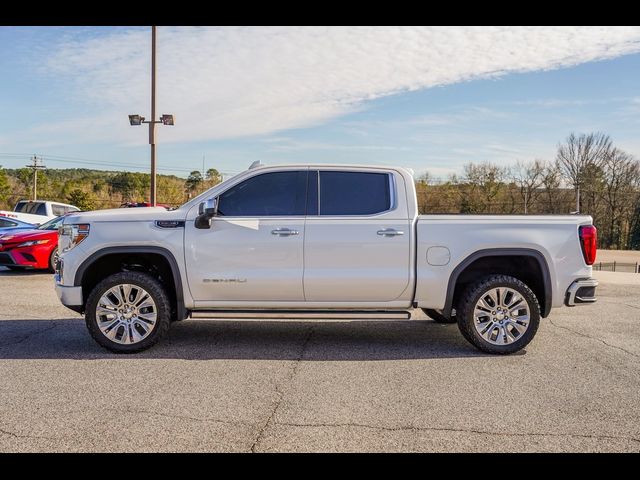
column 165, row 119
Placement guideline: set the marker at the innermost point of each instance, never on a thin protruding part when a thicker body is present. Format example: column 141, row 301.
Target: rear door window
column 354, row 193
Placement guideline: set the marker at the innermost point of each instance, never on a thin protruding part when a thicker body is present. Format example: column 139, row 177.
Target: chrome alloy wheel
column 126, row 314
column 501, row 316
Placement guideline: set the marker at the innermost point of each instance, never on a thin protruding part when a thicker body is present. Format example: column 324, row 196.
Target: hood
column 125, row 215
column 26, row 235
column 8, row 230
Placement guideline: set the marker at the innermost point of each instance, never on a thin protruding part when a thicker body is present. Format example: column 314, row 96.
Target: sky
column 428, row 98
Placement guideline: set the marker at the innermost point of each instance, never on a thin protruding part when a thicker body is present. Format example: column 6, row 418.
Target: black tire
column 472, row 295
column 52, row 261
column 438, row 317
column 157, row 293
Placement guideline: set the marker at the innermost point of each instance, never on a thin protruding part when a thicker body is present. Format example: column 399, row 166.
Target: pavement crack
column 458, row 430
column 280, row 392
column 593, row 338
column 28, row 336
column 17, row 435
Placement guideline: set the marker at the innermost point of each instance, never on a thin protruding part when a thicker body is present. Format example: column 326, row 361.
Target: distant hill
column 95, row 189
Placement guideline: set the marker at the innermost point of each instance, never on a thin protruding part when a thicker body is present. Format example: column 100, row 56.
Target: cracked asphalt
column 308, row 386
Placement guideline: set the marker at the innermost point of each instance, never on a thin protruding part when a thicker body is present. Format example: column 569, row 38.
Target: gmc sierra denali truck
column 320, row 241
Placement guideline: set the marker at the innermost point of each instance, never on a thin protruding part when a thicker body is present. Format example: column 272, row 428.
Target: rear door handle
column 284, row 232
column 390, row 232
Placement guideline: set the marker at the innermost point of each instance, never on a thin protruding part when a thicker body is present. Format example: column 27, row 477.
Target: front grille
column 5, row 259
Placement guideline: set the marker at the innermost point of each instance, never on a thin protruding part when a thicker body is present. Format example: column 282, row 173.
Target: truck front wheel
column 128, row 312
column 499, row 314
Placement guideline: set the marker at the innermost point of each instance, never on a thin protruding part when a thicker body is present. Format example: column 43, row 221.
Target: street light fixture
column 165, row 119
column 136, row 119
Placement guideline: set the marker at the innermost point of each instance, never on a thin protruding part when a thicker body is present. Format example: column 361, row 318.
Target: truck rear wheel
column 438, row 317
column 499, row 314
column 128, row 312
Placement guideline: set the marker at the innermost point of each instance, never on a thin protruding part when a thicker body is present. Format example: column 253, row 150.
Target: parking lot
column 309, row 386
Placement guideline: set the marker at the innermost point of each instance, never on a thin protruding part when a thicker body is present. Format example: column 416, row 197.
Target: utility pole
column 35, row 166
column 578, row 199
column 152, row 125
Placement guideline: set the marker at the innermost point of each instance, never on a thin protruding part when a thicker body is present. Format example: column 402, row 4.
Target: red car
column 37, row 248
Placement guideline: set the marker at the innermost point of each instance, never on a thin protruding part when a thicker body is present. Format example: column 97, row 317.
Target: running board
column 305, row 314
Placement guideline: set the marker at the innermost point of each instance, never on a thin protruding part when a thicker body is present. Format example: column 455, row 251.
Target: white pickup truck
column 320, row 241
column 38, row 211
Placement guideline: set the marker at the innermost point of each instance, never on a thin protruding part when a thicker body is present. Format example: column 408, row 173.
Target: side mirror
column 206, row 211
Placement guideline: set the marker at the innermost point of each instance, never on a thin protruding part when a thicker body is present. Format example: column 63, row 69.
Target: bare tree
column 552, row 182
column 482, row 186
column 621, row 181
column 529, row 177
column 580, row 152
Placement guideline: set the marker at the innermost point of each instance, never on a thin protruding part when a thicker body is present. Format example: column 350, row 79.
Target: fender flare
column 502, row 252
column 181, row 311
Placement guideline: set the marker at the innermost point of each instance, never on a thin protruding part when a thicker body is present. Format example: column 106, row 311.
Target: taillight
column 588, row 241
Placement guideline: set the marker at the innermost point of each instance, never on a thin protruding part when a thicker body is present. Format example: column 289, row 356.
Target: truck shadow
column 5, row 272
column 246, row 340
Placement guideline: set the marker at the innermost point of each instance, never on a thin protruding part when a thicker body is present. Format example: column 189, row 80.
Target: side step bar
column 305, row 314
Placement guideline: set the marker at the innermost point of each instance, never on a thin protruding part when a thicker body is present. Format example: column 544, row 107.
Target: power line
column 86, row 161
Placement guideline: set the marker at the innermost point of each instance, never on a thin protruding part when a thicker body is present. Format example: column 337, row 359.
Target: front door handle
column 390, row 232
column 284, row 232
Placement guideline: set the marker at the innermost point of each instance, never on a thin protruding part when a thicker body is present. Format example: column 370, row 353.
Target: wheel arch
column 499, row 261
column 89, row 274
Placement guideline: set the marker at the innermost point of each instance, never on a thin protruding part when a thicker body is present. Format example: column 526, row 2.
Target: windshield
column 51, row 224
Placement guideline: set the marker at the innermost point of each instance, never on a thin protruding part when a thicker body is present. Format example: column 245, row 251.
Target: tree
column 551, row 183
column 621, row 180
column 578, row 153
column 5, row 189
column 131, row 185
column 213, row 177
column 80, row 199
column 634, row 234
column 529, row 177
column 193, row 181
column 482, row 185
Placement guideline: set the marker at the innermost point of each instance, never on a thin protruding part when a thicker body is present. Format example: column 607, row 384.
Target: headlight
column 71, row 235
column 32, row 243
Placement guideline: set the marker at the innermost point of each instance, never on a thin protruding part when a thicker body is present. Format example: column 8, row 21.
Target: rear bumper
column 581, row 291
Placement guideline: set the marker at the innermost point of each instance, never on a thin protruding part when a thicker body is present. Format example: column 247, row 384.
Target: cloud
column 227, row 82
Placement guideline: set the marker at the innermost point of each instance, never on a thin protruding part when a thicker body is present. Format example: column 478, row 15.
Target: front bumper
column 70, row 296
column 33, row 257
column 581, row 291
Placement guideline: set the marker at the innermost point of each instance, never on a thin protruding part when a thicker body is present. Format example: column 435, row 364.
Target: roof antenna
column 255, row 164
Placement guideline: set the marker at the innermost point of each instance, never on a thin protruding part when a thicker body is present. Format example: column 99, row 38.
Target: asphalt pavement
column 267, row 386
